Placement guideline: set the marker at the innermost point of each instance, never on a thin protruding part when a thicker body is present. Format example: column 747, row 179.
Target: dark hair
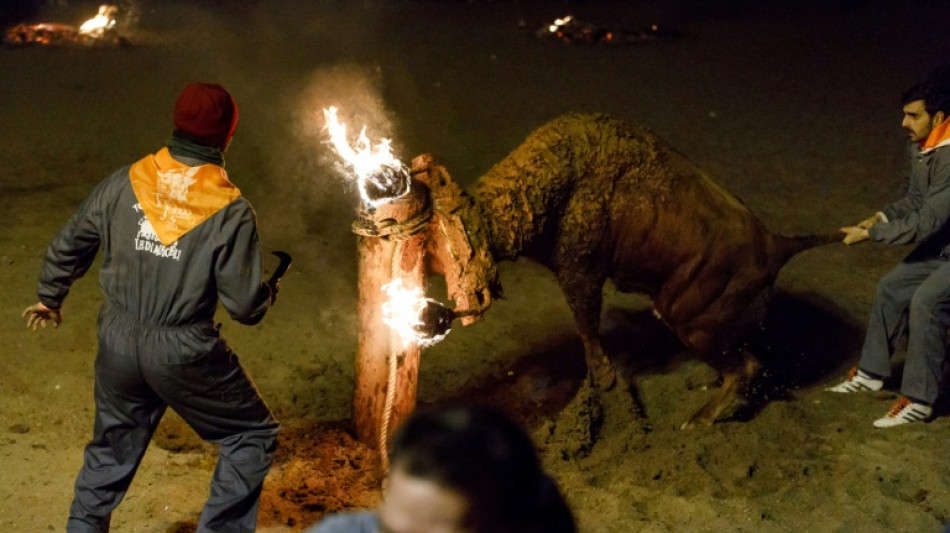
column 934, row 91
column 491, row 460
column 917, row 92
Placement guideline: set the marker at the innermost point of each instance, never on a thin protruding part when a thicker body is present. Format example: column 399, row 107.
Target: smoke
column 284, row 67
column 305, row 196
column 305, row 156
column 355, row 91
column 128, row 15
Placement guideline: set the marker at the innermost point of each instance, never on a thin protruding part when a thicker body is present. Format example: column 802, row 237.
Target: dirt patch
column 319, row 469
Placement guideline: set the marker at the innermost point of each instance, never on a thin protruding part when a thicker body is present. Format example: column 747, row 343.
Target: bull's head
column 458, row 244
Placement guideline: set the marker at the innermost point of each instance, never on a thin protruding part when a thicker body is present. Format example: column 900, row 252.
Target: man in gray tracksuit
column 916, row 294
column 176, row 237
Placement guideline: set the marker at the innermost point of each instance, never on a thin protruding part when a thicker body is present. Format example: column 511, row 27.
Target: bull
column 595, row 198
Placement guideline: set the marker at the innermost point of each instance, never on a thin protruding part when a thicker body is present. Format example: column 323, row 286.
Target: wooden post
column 391, row 245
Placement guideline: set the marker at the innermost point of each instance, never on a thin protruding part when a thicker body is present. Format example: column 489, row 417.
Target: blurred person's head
column 206, row 114
column 926, row 105
column 469, row 470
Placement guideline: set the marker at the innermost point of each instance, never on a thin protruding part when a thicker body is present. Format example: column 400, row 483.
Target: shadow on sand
column 804, row 340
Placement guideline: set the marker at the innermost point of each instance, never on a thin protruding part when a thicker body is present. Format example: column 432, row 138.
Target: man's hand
column 867, row 223
column 38, row 315
column 854, row 234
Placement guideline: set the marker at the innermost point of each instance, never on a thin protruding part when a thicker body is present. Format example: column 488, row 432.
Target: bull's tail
column 782, row 247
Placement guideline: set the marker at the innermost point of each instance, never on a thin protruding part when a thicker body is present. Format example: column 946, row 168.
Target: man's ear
column 939, row 117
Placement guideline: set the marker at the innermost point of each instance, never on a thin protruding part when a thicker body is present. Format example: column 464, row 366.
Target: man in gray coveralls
column 916, row 294
column 176, row 237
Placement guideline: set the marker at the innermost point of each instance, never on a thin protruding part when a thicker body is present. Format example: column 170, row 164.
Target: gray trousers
column 142, row 370
column 915, row 297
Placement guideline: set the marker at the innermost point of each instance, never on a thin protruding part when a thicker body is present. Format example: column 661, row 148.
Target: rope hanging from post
column 398, row 233
column 391, row 376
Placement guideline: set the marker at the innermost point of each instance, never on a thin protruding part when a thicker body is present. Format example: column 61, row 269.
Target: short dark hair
column 934, row 91
column 491, row 460
column 917, row 92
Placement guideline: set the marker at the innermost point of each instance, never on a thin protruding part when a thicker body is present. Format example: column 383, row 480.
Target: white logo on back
column 175, row 183
column 146, row 240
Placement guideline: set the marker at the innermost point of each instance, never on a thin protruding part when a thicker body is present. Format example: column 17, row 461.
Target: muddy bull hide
column 593, row 198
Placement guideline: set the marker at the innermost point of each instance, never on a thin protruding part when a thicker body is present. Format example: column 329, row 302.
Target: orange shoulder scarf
column 176, row 197
column 939, row 136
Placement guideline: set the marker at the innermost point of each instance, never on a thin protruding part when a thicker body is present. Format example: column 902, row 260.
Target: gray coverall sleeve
column 72, row 251
column 913, row 196
column 916, row 225
column 905, row 205
column 237, row 268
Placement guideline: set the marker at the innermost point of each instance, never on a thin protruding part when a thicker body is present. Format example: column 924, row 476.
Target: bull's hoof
column 710, row 414
column 694, row 422
column 602, row 375
column 705, row 417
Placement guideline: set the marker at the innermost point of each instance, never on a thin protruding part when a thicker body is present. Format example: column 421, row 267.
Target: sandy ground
column 794, row 108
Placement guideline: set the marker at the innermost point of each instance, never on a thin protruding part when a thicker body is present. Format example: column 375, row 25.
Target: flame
column 380, row 175
column 103, row 21
column 559, row 22
column 403, row 313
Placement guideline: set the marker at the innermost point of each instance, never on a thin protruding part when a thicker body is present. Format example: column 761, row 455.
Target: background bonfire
column 99, row 30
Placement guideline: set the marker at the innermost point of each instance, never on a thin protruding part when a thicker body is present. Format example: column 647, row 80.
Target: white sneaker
column 904, row 411
column 857, row 381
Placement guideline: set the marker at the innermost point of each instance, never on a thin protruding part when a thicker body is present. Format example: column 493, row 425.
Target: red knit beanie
column 207, row 113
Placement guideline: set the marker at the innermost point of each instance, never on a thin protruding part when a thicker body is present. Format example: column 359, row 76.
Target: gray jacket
column 157, row 285
column 922, row 214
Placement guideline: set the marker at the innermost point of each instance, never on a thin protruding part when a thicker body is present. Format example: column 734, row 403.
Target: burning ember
column 414, row 317
column 569, row 30
column 559, row 23
column 98, row 30
column 380, row 176
column 98, row 25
